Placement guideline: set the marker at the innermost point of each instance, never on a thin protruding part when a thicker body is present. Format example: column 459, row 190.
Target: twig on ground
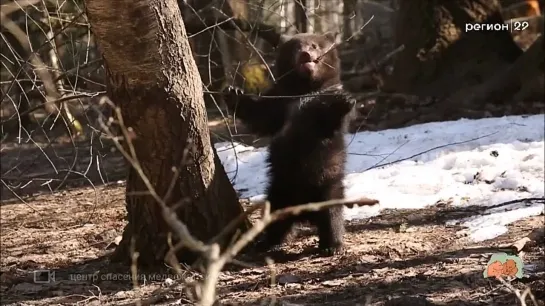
column 520, row 296
column 529, row 240
column 427, row 151
column 521, row 200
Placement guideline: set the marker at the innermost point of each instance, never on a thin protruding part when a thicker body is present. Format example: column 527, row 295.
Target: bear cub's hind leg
column 273, row 236
column 330, row 225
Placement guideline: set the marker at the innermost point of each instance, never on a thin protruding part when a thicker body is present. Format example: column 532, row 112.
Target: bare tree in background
column 214, row 49
column 153, row 78
column 349, row 18
column 20, row 46
column 301, row 19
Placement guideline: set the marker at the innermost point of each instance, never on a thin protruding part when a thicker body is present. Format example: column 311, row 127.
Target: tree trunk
column 349, row 18
column 153, row 78
column 439, row 56
column 301, row 19
column 524, row 78
column 20, row 86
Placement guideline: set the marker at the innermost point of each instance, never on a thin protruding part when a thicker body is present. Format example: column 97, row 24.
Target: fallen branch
column 293, row 211
column 531, row 239
column 520, row 296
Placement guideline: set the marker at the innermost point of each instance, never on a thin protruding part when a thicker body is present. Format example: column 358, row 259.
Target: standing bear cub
column 307, row 114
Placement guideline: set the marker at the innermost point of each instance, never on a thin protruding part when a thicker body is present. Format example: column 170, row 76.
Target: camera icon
column 44, row 276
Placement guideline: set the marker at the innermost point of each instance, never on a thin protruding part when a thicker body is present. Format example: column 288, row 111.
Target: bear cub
column 306, row 113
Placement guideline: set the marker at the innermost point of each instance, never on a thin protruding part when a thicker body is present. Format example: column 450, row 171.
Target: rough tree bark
column 153, row 78
column 439, row 56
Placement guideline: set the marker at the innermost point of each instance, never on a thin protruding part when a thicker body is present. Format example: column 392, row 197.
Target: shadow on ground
column 356, row 281
column 395, row 219
column 49, row 161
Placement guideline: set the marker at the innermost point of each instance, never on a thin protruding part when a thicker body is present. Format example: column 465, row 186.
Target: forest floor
column 402, row 257
column 71, row 233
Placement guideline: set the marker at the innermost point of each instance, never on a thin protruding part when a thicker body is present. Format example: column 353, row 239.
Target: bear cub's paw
column 233, row 90
column 332, row 250
column 231, row 95
column 264, row 246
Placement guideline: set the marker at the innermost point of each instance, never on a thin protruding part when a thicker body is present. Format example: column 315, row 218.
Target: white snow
column 418, row 166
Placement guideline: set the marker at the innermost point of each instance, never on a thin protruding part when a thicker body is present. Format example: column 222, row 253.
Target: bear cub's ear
column 284, row 38
column 331, row 36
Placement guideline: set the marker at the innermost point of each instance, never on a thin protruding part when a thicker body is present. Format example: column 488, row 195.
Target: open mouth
column 307, row 62
column 308, row 66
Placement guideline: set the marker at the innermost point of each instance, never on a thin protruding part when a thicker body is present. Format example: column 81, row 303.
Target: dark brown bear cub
column 307, row 151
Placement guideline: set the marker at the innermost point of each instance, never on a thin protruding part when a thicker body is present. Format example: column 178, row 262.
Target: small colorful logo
column 502, row 265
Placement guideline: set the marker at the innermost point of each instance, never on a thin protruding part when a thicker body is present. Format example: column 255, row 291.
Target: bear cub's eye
column 314, row 46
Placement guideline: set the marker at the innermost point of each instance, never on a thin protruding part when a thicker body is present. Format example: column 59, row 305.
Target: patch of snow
column 482, row 162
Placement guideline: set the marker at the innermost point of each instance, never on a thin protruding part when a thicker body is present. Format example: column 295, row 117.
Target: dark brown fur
column 307, row 152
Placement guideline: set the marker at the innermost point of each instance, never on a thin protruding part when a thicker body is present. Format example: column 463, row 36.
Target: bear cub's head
column 308, row 61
